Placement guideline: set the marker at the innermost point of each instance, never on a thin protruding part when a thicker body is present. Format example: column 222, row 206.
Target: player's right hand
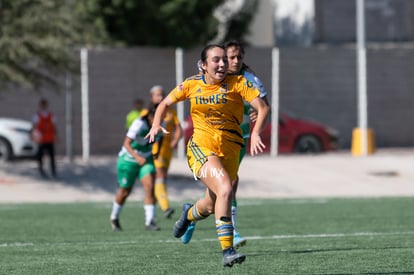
column 153, row 132
column 252, row 115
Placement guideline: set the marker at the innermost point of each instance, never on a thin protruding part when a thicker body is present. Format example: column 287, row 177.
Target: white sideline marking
column 15, row 244
column 284, row 201
column 334, row 235
column 310, row 236
column 306, row 236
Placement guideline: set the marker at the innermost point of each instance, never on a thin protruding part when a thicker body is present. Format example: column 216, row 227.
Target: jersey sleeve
column 260, row 86
column 248, row 90
column 135, row 127
column 256, row 82
column 179, row 92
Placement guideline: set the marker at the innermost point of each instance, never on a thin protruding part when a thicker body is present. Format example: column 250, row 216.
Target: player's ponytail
column 151, row 112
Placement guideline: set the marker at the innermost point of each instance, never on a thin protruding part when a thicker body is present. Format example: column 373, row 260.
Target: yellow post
column 357, row 136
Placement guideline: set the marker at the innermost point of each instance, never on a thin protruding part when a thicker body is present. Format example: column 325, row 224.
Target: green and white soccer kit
column 128, row 168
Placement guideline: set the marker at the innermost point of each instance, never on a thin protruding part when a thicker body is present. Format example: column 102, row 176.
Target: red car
column 295, row 135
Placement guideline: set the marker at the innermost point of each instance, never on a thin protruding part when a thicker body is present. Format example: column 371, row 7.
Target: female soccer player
column 163, row 150
column 214, row 149
column 135, row 161
column 235, row 56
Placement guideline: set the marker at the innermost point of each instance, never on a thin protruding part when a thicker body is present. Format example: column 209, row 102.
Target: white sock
column 149, row 213
column 116, row 210
column 233, row 218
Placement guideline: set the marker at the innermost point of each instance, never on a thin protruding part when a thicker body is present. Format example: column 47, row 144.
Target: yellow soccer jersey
column 216, row 110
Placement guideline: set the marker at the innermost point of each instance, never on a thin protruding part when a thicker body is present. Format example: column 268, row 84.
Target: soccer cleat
column 186, row 238
column 168, row 213
column 238, row 241
column 116, row 226
column 152, row 227
column 231, row 257
column 181, row 225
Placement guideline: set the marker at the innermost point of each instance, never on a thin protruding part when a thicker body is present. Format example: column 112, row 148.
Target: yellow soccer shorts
column 197, row 157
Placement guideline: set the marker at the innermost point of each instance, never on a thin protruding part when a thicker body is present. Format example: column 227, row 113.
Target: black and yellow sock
column 224, row 229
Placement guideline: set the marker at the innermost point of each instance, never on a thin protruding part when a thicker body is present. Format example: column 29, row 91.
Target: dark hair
column 237, row 44
column 151, row 110
column 207, row 48
column 203, row 56
column 234, row 43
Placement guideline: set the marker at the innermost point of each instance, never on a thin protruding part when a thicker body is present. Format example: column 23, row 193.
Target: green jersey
column 138, row 130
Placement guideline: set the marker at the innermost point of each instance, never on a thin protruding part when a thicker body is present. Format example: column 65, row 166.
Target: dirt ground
column 386, row 173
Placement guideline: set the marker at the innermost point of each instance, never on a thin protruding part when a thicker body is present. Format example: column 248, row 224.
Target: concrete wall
column 316, row 82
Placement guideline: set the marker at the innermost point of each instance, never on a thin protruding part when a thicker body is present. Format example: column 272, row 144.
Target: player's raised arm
column 158, row 117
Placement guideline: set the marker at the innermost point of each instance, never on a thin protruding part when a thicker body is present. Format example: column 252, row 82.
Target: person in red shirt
column 44, row 134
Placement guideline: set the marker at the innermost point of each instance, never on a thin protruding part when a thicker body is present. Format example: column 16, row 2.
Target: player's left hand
column 256, row 145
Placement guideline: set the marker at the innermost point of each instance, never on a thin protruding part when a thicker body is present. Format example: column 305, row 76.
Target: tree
column 39, row 39
column 36, row 38
column 240, row 23
column 172, row 23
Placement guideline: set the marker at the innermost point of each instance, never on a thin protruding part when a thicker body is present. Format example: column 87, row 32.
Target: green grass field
column 292, row 236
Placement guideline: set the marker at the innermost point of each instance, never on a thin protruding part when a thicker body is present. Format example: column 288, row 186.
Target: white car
column 15, row 139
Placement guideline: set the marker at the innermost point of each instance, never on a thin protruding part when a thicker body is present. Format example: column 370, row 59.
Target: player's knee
column 225, row 191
